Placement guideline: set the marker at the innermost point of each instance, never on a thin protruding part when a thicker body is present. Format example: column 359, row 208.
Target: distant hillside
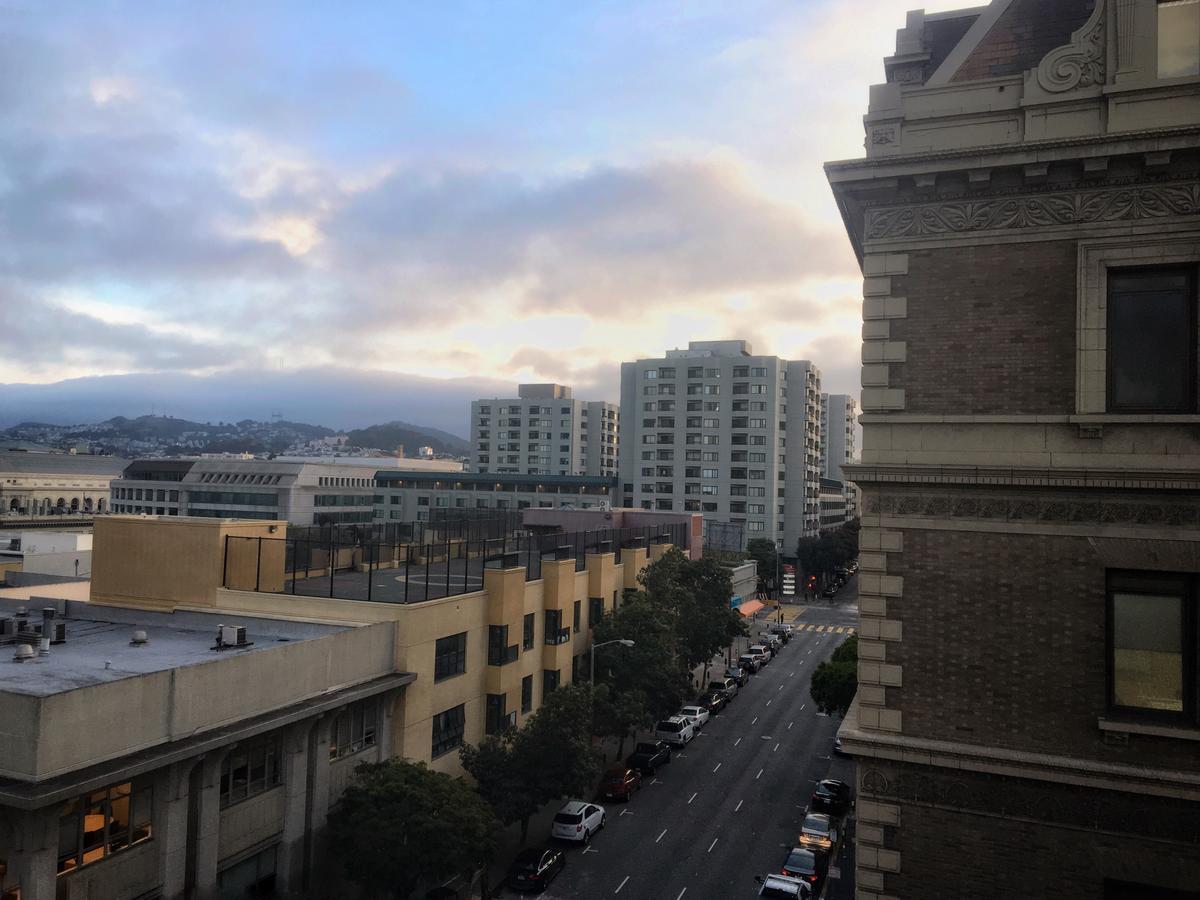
column 391, row 435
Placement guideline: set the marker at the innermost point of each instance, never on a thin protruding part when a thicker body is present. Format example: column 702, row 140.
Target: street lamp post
column 624, row 642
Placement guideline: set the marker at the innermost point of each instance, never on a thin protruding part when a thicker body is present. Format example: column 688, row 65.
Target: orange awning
column 750, row 607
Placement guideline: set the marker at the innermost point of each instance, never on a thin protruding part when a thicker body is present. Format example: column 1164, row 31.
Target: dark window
column 497, row 721
column 448, row 730
column 549, row 682
column 526, row 693
column 450, row 656
column 527, row 636
column 595, row 610
column 499, row 651
column 578, row 615
column 1152, row 645
column 250, row 769
column 94, row 826
column 1151, row 340
column 354, row 729
column 555, row 632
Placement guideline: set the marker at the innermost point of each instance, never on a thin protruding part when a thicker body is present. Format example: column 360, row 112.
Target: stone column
column 35, row 866
column 296, row 763
column 170, row 823
column 208, row 827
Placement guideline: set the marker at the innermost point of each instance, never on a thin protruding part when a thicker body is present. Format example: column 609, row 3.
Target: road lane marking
column 781, row 687
column 691, row 798
column 590, row 849
column 626, row 812
column 755, row 719
column 738, row 741
column 759, row 775
column 681, row 893
column 776, row 747
column 790, row 674
column 717, row 766
column 656, row 781
column 790, row 724
column 768, row 703
column 802, row 705
column 660, row 837
column 739, row 806
column 621, row 885
column 713, row 844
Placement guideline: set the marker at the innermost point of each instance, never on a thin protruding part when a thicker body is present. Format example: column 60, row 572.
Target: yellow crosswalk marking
column 841, row 631
column 849, row 631
column 820, row 628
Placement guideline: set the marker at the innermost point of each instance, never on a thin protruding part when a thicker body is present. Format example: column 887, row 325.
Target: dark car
column 831, row 796
column 649, row 756
column 806, row 864
column 749, row 662
column 713, row 700
column 738, row 674
column 534, row 869
column 620, row 782
column 829, row 593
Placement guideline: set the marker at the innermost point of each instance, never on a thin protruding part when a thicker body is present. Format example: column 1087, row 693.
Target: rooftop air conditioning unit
column 233, row 636
column 8, row 627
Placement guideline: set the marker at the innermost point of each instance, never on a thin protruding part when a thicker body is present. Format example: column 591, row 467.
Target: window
column 651, row 374
column 555, row 632
column 450, row 656
column 526, row 693
column 595, row 610
column 102, row 823
column 578, row 615
column 1178, row 38
column 741, row 371
column 666, row 372
column 499, row 651
column 1151, row 340
column 496, row 720
column 354, row 728
column 758, row 372
column 550, row 679
column 448, row 730
column 527, row 635
column 1152, row 645
column 250, row 769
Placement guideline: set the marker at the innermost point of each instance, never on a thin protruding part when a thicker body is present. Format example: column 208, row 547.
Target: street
column 729, row 806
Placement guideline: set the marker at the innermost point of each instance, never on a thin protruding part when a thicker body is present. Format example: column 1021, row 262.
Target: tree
column 651, row 669
column 834, row 683
column 763, row 552
column 554, row 750
column 401, row 825
column 617, row 713
column 498, row 772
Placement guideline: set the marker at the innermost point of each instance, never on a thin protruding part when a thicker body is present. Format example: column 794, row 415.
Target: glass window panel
column 1150, row 342
column 1148, row 652
column 118, row 823
column 1178, row 38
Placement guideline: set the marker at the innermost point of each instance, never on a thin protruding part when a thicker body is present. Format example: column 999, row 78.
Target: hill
column 391, row 435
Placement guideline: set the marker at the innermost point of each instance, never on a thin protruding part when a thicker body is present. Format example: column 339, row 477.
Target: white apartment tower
column 718, row 430
column 837, row 434
column 544, row 431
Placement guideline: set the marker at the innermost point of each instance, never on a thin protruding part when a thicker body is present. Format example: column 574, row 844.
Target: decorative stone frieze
column 1079, row 64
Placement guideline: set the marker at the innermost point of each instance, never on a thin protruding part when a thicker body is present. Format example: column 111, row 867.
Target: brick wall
column 1004, row 646
column 989, row 330
column 1023, row 35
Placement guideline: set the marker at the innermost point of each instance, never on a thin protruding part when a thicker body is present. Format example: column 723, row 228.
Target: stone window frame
column 1095, row 258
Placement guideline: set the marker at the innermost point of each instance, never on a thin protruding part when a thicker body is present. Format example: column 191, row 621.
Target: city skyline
column 441, row 195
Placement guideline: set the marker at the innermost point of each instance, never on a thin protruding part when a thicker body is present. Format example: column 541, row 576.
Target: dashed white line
column 790, row 724
column 755, row 719
column 759, row 775
column 660, row 837
column 713, row 844
column 802, row 705
column 776, row 747
column 790, row 674
column 739, row 806
column 768, row 704
column 681, row 893
column 781, row 687
column 621, row 885
column 738, row 741
column 717, row 766
column 691, row 798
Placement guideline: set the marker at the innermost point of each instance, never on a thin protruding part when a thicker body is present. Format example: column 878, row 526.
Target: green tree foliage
column 820, row 555
column 650, row 670
column 497, row 767
column 835, row 683
column 618, row 714
column 763, row 552
column 401, row 825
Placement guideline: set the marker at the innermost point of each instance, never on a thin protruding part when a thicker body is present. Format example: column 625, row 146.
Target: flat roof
column 98, row 649
column 495, row 478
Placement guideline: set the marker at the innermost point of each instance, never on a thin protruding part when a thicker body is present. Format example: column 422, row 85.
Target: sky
column 458, row 192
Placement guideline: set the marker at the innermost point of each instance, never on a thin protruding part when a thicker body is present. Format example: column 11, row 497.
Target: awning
column 750, row 607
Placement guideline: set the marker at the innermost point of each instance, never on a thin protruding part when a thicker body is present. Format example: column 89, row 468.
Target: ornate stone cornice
column 999, row 476
column 1080, row 207
column 1079, row 64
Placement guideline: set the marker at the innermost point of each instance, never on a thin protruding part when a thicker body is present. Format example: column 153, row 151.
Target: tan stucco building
column 163, row 764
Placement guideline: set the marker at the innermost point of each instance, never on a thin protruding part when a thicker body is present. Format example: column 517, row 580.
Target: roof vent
column 24, row 652
column 139, row 638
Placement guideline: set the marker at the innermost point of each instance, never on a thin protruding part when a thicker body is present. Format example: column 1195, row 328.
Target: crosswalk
column 829, row 629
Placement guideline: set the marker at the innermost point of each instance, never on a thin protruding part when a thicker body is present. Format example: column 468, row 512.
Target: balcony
column 561, row 636
column 502, row 656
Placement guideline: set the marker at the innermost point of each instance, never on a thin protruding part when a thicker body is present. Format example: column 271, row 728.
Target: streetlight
column 624, row 642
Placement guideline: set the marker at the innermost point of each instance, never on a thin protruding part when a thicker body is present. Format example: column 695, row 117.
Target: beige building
column 229, row 753
column 42, row 484
column 1028, row 222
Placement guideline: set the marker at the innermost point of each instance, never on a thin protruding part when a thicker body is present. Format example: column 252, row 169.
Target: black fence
column 443, row 525
column 404, row 572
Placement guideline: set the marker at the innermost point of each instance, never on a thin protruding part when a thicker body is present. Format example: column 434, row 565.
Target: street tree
column 401, row 825
column 651, row 669
column 618, row 713
column 498, row 771
column 763, row 552
column 554, row 751
column 834, row 683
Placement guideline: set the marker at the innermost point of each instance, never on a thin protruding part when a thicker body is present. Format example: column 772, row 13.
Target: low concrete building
column 836, row 511
column 411, row 496
column 42, row 484
column 61, row 553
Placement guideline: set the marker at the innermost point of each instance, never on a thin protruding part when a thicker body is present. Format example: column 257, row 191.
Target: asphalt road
column 729, row 806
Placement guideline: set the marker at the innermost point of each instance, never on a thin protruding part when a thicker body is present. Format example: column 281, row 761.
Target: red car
column 619, row 783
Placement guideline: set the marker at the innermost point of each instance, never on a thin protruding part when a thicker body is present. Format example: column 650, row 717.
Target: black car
column 714, row 701
column 648, row 756
column 534, row 869
column 806, row 864
column 738, row 674
column 831, row 796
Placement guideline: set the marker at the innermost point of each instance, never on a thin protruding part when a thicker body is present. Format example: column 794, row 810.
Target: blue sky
column 498, row 191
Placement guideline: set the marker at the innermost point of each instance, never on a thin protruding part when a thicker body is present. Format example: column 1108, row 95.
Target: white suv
column 578, row 821
column 697, row 715
column 676, row 730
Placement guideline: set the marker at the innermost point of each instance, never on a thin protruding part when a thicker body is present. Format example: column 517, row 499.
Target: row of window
column 137, row 494
column 705, row 372
column 239, row 478
column 349, row 481
column 708, row 406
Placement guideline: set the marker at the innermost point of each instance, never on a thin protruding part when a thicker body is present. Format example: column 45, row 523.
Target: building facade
column 839, row 418
column 419, row 496
column 36, row 484
column 718, row 430
column 544, row 431
column 1027, row 218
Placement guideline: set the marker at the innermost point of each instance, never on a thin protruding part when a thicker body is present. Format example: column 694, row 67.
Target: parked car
column 837, row 746
column 784, row 631
column 831, row 796
column 818, row 830
column 649, row 756
column 534, row 869
column 762, row 652
column 619, row 782
column 714, row 700
column 750, row 662
column 578, row 821
column 807, row 864
column 697, row 715
column 782, row 886
column 774, row 641
column 738, row 674
column 676, row 731
column 727, row 685
column 829, row 593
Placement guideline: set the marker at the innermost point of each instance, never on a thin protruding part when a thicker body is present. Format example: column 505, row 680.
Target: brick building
column 1026, row 217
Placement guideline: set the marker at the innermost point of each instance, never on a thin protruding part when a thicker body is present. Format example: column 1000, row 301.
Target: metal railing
column 361, row 563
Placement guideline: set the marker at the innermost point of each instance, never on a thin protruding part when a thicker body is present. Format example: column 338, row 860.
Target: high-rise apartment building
column 1028, row 223
column 718, row 430
column 544, row 431
column 838, row 418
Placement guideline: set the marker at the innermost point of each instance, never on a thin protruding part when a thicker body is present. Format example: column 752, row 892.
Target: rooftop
column 64, row 463
column 98, row 649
